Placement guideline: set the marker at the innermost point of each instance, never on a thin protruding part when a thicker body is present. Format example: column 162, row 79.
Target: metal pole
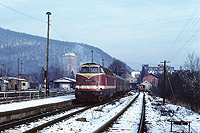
column 189, row 127
column 103, row 62
column 2, row 80
column 21, row 68
column 92, row 55
column 47, row 82
column 164, row 89
column 18, row 76
column 171, row 125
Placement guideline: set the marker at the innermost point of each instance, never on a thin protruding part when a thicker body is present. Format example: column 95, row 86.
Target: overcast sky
column 134, row 31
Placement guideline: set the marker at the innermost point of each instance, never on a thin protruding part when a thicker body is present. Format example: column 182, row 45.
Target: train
column 97, row 83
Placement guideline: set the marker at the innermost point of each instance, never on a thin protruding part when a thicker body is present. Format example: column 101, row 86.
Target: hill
column 31, row 51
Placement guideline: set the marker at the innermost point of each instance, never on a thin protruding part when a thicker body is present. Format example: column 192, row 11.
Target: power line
column 188, row 28
column 53, row 24
column 185, row 44
column 22, row 13
column 185, row 29
column 58, row 31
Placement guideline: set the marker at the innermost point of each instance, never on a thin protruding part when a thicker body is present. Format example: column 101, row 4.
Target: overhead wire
column 188, row 36
column 58, row 31
column 54, row 27
column 184, row 45
column 23, row 13
column 186, row 32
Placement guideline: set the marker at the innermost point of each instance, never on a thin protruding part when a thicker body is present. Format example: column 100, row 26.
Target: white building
column 65, row 83
column 135, row 74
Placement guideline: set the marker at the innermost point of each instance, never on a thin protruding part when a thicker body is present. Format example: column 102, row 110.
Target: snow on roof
column 64, row 80
column 21, row 79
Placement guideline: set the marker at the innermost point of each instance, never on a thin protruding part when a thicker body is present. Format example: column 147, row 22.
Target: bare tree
column 118, row 67
column 192, row 64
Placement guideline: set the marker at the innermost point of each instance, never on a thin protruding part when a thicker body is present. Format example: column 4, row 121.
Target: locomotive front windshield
column 94, row 70
column 84, row 70
column 91, row 69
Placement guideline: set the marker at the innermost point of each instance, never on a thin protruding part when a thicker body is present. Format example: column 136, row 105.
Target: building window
column 24, row 84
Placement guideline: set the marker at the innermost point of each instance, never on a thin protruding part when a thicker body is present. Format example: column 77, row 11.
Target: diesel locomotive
column 97, row 83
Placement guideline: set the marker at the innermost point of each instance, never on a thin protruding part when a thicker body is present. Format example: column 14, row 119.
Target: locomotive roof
column 90, row 64
column 106, row 71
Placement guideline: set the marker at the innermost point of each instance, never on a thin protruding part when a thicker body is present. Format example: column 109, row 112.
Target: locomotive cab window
column 94, row 70
column 101, row 70
column 84, row 70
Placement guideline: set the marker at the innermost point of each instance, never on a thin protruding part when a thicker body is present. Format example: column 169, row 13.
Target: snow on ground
column 156, row 123
column 33, row 103
column 95, row 117
column 160, row 122
column 129, row 121
column 24, row 127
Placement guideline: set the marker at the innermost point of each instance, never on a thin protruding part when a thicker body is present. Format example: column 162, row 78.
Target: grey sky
column 134, row 31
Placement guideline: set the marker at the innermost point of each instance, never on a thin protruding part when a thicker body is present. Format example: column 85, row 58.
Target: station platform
column 19, row 110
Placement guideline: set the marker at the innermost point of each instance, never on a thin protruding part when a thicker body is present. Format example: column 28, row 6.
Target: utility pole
column 92, row 55
column 164, row 87
column 47, row 82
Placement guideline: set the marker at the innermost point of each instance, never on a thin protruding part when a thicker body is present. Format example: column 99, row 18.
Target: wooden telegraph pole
column 47, row 82
column 164, row 87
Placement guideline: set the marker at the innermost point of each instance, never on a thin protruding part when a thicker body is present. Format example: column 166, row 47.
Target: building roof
column 151, row 75
column 64, row 80
column 21, row 79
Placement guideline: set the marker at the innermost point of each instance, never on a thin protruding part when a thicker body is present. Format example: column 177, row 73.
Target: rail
column 142, row 119
column 108, row 123
column 33, row 118
column 49, row 123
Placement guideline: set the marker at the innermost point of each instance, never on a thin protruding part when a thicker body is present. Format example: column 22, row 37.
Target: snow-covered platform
column 13, row 111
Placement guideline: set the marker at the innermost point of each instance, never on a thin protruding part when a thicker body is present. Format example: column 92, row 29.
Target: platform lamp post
column 92, row 55
column 47, row 82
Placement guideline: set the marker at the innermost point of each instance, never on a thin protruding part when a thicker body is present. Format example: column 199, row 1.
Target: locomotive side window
column 101, row 70
column 94, row 70
column 84, row 70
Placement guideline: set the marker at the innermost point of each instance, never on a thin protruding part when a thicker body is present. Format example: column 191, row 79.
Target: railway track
column 117, row 122
column 79, row 114
column 33, row 118
column 72, row 110
column 89, row 115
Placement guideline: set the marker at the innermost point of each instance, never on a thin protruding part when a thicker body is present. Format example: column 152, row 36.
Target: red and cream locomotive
column 96, row 83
